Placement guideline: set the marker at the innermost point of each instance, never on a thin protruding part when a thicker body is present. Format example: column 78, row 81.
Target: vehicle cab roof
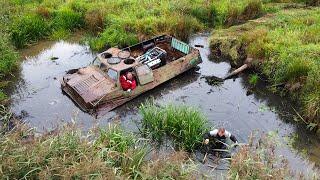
column 114, row 53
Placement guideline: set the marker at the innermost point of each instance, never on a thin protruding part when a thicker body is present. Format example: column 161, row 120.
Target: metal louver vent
column 85, row 84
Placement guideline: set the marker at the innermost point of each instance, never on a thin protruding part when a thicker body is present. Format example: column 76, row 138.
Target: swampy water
column 233, row 104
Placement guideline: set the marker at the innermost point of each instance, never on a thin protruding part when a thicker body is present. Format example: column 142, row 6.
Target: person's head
column 129, row 76
column 221, row 131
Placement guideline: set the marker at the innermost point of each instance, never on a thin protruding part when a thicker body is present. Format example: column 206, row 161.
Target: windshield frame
column 114, row 78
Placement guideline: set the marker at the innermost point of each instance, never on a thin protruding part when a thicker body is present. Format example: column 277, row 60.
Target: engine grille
column 83, row 86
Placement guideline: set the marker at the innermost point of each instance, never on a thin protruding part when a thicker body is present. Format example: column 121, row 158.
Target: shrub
column 28, row 29
column 184, row 125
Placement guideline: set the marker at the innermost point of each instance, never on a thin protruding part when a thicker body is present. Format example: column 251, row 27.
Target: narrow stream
column 38, row 96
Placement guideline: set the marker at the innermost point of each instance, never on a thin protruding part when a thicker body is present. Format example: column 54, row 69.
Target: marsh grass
column 258, row 160
column 8, row 57
column 285, row 47
column 68, row 153
column 28, row 29
column 184, row 125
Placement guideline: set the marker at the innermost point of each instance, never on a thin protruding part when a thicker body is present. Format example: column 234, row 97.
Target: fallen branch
column 237, row 71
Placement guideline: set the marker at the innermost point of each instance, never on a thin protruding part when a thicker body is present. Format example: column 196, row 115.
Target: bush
column 184, row 125
column 28, row 29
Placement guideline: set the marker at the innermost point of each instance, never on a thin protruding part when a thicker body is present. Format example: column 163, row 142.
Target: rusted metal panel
column 91, row 88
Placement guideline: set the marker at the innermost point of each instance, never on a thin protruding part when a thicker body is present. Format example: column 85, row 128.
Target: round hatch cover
column 123, row 54
column 113, row 60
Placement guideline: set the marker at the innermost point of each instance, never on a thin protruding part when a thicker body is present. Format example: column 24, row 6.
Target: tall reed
column 184, row 125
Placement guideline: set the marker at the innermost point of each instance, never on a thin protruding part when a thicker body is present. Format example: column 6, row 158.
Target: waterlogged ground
column 232, row 104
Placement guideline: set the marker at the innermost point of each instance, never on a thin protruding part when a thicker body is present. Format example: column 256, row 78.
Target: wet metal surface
column 229, row 104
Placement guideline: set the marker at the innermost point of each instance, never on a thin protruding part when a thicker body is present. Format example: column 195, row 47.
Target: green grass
column 184, row 125
column 258, row 160
column 28, row 29
column 69, row 154
column 286, row 47
column 253, row 79
column 8, row 57
column 34, row 20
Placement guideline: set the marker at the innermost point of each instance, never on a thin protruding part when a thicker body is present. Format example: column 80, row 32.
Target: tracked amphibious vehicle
column 153, row 62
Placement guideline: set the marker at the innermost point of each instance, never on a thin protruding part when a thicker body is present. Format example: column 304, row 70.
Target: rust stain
column 97, row 87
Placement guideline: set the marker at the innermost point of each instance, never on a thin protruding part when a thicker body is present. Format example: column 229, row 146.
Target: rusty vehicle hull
column 180, row 58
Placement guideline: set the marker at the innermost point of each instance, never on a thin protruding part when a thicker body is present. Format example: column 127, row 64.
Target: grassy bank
column 101, row 154
column 285, row 47
column 123, row 22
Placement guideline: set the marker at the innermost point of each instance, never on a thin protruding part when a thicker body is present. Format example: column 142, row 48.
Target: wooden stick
column 237, row 71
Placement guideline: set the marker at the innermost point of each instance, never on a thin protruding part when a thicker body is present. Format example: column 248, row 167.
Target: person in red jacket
column 127, row 81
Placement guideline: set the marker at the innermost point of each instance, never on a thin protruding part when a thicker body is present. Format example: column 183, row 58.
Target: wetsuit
column 219, row 141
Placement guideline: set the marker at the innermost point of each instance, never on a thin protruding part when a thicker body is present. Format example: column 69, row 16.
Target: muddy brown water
column 230, row 104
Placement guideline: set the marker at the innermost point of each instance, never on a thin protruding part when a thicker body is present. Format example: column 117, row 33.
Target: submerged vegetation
column 285, row 47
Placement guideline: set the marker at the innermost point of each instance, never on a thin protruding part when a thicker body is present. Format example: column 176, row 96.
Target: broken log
column 237, row 71
column 245, row 66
